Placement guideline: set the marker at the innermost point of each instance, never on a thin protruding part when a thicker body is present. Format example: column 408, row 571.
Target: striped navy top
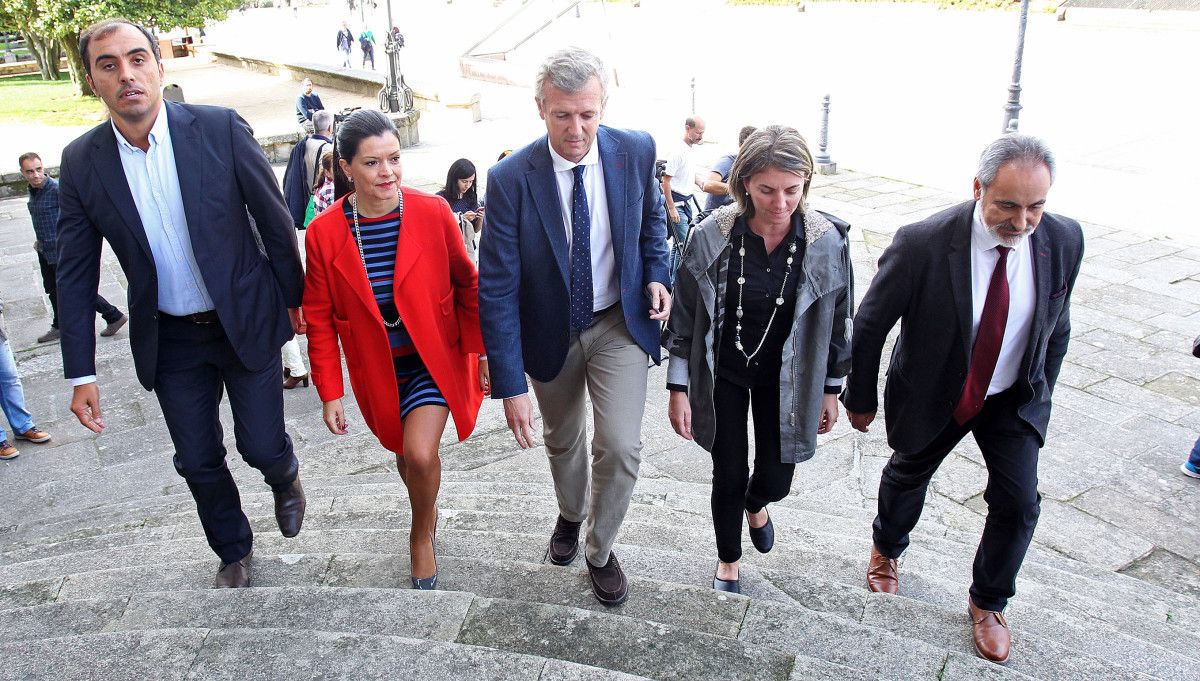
column 379, row 239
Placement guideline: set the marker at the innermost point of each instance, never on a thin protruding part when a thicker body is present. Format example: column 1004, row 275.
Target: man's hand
column 299, row 326
column 860, row 421
column 660, row 301
column 85, row 405
column 679, row 410
column 518, row 411
column 672, row 214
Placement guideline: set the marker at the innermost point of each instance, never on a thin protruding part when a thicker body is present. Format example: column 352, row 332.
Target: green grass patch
column 29, row 99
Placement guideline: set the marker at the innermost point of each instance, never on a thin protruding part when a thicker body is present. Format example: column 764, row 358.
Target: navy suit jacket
column 252, row 273
column 924, row 281
column 524, row 285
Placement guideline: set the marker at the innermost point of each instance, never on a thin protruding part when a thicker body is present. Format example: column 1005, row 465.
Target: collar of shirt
column 591, row 158
column 981, row 238
column 160, row 133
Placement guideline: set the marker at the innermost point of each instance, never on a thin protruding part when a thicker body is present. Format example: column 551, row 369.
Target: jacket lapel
column 348, row 262
column 960, row 275
column 189, row 162
column 106, row 161
column 408, row 247
column 1039, row 247
column 544, row 188
column 613, row 160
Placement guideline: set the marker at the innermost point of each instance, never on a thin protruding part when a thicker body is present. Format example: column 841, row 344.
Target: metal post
column 693, row 95
column 392, row 90
column 825, row 164
column 1013, row 107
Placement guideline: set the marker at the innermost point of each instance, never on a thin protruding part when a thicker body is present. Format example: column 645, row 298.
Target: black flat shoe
column 763, row 537
column 732, row 586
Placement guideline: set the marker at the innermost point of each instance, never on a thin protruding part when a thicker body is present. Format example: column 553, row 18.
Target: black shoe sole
column 613, row 602
column 562, row 561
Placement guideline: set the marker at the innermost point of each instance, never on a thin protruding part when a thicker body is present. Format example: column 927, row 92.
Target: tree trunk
column 75, row 67
column 45, row 53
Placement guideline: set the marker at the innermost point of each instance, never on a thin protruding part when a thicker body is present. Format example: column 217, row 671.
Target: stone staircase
column 106, row 574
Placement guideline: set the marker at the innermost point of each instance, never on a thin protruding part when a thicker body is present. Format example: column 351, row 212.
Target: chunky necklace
column 358, row 240
column 741, row 282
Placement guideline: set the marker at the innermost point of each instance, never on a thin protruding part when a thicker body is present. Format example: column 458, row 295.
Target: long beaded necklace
column 741, row 282
column 358, row 240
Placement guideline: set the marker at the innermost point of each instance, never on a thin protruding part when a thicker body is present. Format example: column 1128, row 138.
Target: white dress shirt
column 1021, row 298
column 154, row 182
column 606, row 287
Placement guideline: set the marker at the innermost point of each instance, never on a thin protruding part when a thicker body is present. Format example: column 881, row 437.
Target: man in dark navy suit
column 172, row 187
column 572, row 287
column 983, row 292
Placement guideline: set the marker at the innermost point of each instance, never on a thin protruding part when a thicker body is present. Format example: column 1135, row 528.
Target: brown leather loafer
column 564, row 542
column 608, row 583
column 289, row 508
column 989, row 631
column 114, row 326
column 881, row 573
column 235, row 575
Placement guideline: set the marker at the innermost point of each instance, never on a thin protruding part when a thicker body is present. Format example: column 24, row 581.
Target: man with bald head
column 982, row 291
column 680, row 178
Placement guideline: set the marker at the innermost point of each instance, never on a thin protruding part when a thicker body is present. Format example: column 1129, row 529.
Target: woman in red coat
column 389, row 277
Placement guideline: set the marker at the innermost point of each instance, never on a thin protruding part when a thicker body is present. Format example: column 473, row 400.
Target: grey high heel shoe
column 429, row 583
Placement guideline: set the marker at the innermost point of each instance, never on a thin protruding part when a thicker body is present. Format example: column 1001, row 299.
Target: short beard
column 1007, row 240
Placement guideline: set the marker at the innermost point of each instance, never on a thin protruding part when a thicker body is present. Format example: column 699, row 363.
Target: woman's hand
column 470, row 215
column 680, row 412
column 485, row 377
column 829, row 414
column 335, row 417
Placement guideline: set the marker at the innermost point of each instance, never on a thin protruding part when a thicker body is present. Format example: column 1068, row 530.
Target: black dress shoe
column 564, row 542
column 235, row 575
column 763, row 537
column 608, row 583
column 289, row 508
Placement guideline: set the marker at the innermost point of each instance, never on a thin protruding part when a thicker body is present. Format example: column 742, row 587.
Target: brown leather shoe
column 881, row 573
column 989, row 631
column 564, row 542
column 608, row 583
column 289, row 508
column 235, row 575
column 114, row 326
column 292, row 381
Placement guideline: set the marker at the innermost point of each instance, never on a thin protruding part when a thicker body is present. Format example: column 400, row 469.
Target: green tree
column 56, row 24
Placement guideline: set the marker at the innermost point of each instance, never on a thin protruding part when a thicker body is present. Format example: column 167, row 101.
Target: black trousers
column 734, row 489
column 196, row 364
column 50, row 286
column 1010, row 451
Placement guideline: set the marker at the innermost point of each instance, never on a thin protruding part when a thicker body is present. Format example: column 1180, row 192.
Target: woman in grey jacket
column 761, row 321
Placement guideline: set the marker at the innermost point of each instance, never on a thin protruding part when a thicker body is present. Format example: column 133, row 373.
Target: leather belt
column 201, row 318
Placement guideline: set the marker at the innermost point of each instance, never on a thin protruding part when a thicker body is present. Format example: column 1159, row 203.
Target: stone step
column 795, row 526
column 650, row 601
column 239, row 653
column 601, row 638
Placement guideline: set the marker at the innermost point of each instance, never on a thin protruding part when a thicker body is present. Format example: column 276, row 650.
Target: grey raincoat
column 816, row 353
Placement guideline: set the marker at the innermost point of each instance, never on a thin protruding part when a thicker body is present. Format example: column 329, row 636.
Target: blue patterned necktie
column 581, row 255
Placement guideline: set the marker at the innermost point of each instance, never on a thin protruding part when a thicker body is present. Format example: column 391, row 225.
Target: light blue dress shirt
column 154, row 182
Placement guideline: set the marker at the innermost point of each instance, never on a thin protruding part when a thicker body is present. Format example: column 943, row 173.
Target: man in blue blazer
column 572, row 287
column 172, row 188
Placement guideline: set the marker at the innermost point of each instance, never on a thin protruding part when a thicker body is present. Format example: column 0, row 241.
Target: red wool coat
column 436, row 290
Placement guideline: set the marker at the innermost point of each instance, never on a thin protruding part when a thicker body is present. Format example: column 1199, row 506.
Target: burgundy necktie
column 988, row 340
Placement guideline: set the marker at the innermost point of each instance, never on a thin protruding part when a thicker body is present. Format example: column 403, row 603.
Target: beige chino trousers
column 604, row 363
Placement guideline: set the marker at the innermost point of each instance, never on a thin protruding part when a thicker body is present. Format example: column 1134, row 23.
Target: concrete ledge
column 350, row 80
column 276, row 147
column 20, row 68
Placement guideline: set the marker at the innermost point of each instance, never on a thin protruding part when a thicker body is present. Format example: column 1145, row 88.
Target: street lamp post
column 1013, row 107
column 391, row 45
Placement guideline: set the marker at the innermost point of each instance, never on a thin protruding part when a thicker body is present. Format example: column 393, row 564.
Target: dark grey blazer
column 924, row 282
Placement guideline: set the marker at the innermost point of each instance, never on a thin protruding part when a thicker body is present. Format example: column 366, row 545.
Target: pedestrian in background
column 460, row 192
column 12, row 400
column 366, row 42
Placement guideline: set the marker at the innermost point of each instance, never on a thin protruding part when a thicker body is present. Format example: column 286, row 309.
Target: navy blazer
column 524, row 285
column 252, row 273
column 924, row 281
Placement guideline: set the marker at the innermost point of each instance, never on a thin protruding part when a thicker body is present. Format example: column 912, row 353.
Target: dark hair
column 746, row 131
column 327, row 167
column 358, row 126
column 105, row 28
column 504, row 153
column 25, row 157
column 460, row 170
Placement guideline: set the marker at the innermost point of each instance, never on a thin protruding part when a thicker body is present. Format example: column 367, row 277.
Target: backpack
column 364, row 44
